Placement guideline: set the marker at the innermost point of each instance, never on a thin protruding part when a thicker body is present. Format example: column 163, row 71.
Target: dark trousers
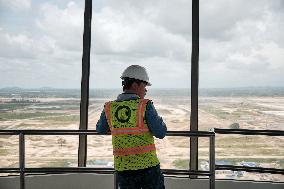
column 149, row 178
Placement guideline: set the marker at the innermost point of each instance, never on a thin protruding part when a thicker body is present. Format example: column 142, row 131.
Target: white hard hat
column 136, row 72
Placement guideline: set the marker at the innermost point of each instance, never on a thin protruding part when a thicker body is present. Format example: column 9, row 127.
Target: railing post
column 212, row 162
column 115, row 181
column 22, row 159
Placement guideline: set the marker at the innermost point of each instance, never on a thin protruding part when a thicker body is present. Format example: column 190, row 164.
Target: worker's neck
column 129, row 91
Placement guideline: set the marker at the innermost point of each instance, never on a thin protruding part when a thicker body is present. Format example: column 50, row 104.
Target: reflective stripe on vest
column 123, row 131
column 140, row 128
column 134, row 150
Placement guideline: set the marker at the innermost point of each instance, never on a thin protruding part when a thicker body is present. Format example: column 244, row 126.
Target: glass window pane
column 40, row 65
column 241, row 80
column 143, row 33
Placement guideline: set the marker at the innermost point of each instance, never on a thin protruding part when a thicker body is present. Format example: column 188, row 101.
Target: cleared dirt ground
column 214, row 112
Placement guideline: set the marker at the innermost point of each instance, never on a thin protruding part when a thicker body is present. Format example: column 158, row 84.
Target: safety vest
column 133, row 144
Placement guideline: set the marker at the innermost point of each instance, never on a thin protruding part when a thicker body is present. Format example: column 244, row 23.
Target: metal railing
column 250, row 132
column 23, row 170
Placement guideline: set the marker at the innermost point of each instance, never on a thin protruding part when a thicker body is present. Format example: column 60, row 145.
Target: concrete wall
column 96, row 181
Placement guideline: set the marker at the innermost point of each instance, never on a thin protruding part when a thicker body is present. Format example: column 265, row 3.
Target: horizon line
column 119, row 88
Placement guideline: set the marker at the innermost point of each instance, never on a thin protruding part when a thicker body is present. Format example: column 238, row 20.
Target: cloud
column 217, row 17
column 65, row 25
column 248, row 51
column 50, row 57
column 15, row 43
column 241, row 43
column 22, row 46
column 16, row 5
column 133, row 35
column 174, row 16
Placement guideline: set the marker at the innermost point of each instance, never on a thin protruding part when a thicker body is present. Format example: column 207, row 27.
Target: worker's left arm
column 155, row 123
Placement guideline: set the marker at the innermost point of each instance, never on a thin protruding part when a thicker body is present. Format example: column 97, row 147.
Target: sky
column 241, row 42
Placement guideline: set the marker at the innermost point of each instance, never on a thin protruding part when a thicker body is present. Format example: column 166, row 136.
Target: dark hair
column 127, row 82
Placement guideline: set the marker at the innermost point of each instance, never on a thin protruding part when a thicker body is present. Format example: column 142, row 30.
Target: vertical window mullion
column 194, row 85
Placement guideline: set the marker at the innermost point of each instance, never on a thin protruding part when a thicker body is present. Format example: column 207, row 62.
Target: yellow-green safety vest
column 133, row 143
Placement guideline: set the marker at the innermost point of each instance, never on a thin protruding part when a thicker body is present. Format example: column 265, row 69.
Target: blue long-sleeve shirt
column 155, row 123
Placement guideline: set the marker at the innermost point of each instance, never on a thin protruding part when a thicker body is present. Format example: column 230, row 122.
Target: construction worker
column 133, row 121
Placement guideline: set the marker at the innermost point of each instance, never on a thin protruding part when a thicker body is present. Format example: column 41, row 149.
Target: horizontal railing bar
column 186, row 172
column 94, row 170
column 190, row 133
column 94, row 132
column 250, row 169
column 9, row 170
column 57, row 170
column 50, row 132
column 166, row 171
column 249, row 132
column 10, row 132
column 69, row 170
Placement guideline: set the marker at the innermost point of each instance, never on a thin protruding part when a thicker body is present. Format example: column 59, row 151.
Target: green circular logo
column 123, row 114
